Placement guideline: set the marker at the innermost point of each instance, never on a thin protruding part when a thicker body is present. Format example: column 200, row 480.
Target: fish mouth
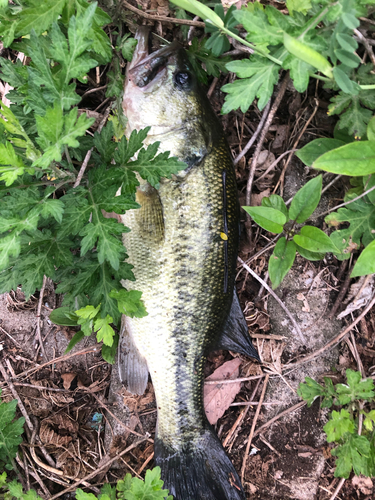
column 144, row 66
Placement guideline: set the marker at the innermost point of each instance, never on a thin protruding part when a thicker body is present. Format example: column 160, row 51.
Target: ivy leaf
column 258, row 77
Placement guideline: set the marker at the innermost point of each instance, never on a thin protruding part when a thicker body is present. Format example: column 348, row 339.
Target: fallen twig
column 165, row 19
column 251, row 435
column 282, row 414
column 104, row 465
column 38, row 332
column 278, row 300
column 334, row 341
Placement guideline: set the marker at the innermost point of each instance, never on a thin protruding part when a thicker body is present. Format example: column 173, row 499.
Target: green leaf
column 354, row 159
column 63, row 316
column 350, row 20
column 369, row 420
column 104, row 331
column 129, row 302
column 340, row 423
column 56, row 131
column 310, row 390
column 9, row 247
column 256, row 23
column 128, row 45
column 350, row 59
column 344, row 82
column 299, row 72
column 10, row 432
column 346, row 41
column 201, row 10
column 306, row 200
column 366, row 262
column 307, row 54
column 86, row 318
column 11, row 165
column 315, row 240
column 199, row 54
column 149, row 489
column 354, row 453
column 152, row 168
column 311, row 152
column 302, row 6
column 356, row 389
column 275, row 201
column 281, row 261
column 356, row 117
column 371, row 129
column 259, row 77
column 82, row 495
column 77, row 337
column 307, row 254
column 109, row 352
column 268, row 218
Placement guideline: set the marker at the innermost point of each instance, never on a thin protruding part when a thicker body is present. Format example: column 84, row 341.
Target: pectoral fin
column 132, row 366
column 235, row 336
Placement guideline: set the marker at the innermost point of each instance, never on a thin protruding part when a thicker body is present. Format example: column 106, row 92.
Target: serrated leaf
column 129, row 302
column 340, row 423
column 268, row 218
column 263, row 74
column 310, row 390
column 109, row 353
column 311, row 152
column 11, row 165
column 9, row 247
column 354, row 159
column 39, row 17
column 256, row 23
column 10, row 431
column 201, row 10
column 104, row 332
column 355, row 389
column 281, row 261
column 314, row 239
column 302, row 6
column 306, row 200
column 199, row 54
column 299, row 72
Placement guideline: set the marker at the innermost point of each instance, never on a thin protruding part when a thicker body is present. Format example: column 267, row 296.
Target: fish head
column 163, row 92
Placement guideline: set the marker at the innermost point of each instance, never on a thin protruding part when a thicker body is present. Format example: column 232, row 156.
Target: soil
column 80, row 411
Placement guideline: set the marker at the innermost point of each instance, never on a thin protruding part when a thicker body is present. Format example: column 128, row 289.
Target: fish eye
column 183, row 79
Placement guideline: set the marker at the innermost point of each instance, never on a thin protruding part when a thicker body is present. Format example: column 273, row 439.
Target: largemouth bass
column 183, row 245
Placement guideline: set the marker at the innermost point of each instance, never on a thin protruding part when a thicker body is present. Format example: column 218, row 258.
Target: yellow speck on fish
column 224, row 236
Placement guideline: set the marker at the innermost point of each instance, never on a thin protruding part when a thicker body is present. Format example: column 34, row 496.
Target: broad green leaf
column 63, row 316
column 299, row 72
column 88, row 312
column 308, row 55
column 344, row 82
column 354, row 159
column 268, row 218
column 315, row 240
column 11, row 165
column 369, row 420
column 340, row 423
column 201, row 10
column 355, row 389
column 9, row 247
column 104, row 332
column 306, row 200
column 275, row 201
column 356, row 117
column 281, row 261
column 307, row 254
column 10, row 432
column 366, row 262
column 310, row 390
column 311, row 152
column 350, row 20
column 350, row 59
column 346, row 41
column 128, row 45
column 371, row 129
column 259, row 77
column 354, row 453
column 77, row 337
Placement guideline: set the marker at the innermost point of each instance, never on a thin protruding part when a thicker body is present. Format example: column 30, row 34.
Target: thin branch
column 278, row 300
column 337, row 490
column 255, row 135
column 334, row 341
column 103, row 466
column 164, row 19
column 366, row 44
column 267, row 125
column 232, row 380
column 282, row 414
column 38, row 332
column 251, row 435
column 348, row 202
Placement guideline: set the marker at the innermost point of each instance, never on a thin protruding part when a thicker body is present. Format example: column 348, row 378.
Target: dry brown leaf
column 50, row 437
column 218, row 397
column 68, row 379
column 364, row 484
column 160, row 6
column 256, row 198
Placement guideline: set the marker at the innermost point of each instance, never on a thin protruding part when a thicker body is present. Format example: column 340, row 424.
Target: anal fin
column 235, row 336
column 132, row 366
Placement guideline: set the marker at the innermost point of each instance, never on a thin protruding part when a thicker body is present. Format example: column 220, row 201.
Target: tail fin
column 202, row 471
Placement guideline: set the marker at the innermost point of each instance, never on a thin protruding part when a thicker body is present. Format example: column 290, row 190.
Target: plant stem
column 248, row 44
column 315, row 21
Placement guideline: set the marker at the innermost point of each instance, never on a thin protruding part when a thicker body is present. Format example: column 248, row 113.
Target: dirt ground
column 78, row 419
